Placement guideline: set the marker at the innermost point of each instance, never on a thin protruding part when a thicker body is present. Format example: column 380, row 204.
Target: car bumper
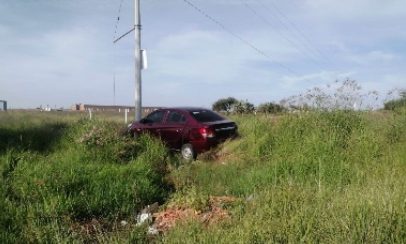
column 205, row 145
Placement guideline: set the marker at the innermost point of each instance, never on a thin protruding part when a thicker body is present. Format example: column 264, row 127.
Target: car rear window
column 206, row 116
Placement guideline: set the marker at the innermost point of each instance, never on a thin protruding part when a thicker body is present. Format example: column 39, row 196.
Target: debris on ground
column 145, row 216
column 167, row 219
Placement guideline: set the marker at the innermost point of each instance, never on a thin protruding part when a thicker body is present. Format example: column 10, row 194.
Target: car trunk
column 223, row 129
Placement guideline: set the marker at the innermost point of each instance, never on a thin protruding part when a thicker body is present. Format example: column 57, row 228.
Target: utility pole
column 139, row 64
column 137, row 31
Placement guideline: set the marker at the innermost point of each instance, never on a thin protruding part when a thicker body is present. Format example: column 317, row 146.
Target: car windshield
column 205, row 116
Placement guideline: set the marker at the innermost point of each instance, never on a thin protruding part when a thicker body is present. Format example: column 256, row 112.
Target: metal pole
column 137, row 31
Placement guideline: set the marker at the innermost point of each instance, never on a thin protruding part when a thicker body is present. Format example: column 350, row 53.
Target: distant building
column 112, row 108
column 3, row 105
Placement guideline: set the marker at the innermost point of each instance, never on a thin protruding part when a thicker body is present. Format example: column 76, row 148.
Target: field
column 329, row 177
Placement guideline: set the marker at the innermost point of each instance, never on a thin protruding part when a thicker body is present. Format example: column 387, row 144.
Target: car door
column 172, row 130
column 154, row 122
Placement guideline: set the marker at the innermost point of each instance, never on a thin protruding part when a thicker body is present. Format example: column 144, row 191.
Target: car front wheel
column 188, row 153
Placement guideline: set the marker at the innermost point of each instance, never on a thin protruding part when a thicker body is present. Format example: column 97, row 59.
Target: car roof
column 188, row 109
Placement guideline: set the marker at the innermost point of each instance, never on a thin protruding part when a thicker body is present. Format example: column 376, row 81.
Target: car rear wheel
column 188, row 153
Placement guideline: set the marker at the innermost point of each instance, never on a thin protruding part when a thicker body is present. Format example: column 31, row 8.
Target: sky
column 61, row 52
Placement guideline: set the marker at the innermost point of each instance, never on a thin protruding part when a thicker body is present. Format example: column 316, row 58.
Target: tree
column 270, row 108
column 224, row 104
column 244, row 107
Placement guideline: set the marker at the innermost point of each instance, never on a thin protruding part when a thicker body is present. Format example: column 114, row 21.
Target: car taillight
column 206, row 132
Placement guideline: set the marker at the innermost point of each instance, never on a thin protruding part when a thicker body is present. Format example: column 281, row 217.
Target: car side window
column 176, row 118
column 156, row 117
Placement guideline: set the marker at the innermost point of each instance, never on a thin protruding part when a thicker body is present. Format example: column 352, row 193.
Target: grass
column 75, row 179
column 315, row 177
column 329, row 177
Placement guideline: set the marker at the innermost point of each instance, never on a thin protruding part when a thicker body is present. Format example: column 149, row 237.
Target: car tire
column 136, row 135
column 188, row 153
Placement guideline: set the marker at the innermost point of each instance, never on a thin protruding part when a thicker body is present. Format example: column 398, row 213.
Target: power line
column 114, row 38
column 309, row 43
column 118, row 20
column 294, row 44
column 249, row 44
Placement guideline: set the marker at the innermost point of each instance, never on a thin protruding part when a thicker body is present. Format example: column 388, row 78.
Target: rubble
column 145, row 216
column 167, row 219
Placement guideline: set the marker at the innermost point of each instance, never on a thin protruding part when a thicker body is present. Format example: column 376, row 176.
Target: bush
column 103, row 140
column 244, row 107
column 270, row 108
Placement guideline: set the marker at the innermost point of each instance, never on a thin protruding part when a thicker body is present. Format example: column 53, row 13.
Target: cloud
column 64, row 53
column 45, row 68
column 349, row 9
column 372, row 57
column 209, row 57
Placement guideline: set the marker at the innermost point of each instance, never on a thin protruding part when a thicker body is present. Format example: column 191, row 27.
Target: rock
column 123, row 223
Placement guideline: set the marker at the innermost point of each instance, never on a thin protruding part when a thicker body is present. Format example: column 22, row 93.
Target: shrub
column 102, row 140
column 270, row 108
column 244, row 107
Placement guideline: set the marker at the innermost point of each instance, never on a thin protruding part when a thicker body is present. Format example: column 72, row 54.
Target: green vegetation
column 395, row 104
column 330, row 177
column 75, row 180
column 232, row 105
column 270, row 108
column 225, row 104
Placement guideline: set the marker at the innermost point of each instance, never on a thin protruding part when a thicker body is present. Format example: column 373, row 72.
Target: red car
column 190, row 130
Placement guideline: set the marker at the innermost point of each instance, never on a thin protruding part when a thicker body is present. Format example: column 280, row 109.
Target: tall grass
column 75, row 180
column 313, row 177
column 330, row 177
